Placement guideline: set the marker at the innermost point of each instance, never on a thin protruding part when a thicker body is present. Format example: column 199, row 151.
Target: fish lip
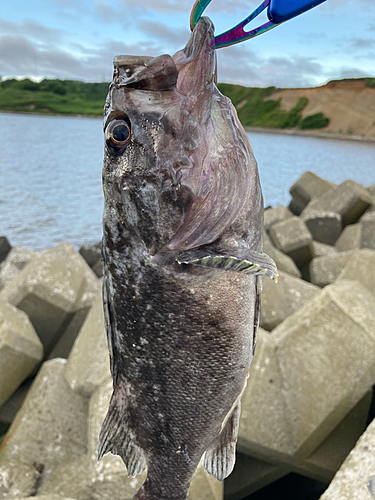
column 201, row 39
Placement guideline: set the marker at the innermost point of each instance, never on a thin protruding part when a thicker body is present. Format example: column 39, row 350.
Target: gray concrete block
column 349, row 200
column 277, row 214
column 73, row 479
column 250, row 475
column 274, row 307
column 283, row 261
column 9, row 409
column 368, row 230
column 326, row 460
column 4, row 248
column 356, row 477
column 15, row 261
column 93, row 256
column 350, row 238
column 324, row 226
column 292, row 237
column 204, row 486
column 17, row 481
column 88, row 363
column 371, row 192
column 91, row 253
column 264, row 425
column 51, row 289
column 296, row 291
column 48, row 497
column 64, row 344
column 361, row 267
column 295, row 396
column 51, row 426
column 20, row 349
column 321, row 249
column 98, row 269
column 281, row 299
column 307, row 187
column 325, row 270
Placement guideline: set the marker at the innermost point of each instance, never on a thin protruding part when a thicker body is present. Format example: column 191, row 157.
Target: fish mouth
column 163, row 72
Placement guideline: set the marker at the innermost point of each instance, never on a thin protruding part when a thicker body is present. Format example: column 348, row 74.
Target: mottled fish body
column 183, row 261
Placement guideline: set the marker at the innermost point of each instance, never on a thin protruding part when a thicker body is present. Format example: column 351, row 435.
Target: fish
column 183, row 264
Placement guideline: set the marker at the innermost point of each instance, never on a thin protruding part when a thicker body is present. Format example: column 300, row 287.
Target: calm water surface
column 50, row 174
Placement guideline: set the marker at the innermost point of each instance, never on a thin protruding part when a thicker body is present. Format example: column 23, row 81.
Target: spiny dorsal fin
column 116, row 437
column 252, row 263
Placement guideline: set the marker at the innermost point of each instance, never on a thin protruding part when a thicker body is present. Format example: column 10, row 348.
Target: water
column 50, row 174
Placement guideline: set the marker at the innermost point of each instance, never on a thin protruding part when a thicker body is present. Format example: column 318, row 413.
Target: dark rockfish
column 182, row 258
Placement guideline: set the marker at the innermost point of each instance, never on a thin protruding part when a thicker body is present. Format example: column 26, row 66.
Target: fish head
column 179, row 170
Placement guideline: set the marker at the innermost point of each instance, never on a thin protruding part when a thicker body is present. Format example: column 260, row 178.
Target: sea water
column 50, row 174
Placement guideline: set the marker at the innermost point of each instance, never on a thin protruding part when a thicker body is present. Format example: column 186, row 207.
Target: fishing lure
column 278, row 12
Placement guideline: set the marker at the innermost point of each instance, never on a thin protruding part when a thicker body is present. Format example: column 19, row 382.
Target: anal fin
column 116, row 437
column 220, row 457
column 250, row 262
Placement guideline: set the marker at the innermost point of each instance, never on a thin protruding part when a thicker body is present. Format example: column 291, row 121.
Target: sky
column 77, row 39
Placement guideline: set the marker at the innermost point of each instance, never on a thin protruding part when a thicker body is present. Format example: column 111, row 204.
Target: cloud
column 20, row 56
column 241, row 65
column 176, row 38
column 361, row 43
column 31, row 29
column 347, row 72
column 177, row 6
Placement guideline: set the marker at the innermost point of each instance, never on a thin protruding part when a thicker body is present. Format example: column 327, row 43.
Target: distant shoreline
column 310, row 133
column 263, row 130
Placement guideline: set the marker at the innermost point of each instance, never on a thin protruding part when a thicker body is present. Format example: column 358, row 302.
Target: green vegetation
column 370, row 82
column 69, row 97
column 318, row 120
column 64, row 97
column 256, row 111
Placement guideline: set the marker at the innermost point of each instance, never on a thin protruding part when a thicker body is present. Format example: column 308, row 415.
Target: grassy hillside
column 256, row 111
column 63, row 97
column 258, row 107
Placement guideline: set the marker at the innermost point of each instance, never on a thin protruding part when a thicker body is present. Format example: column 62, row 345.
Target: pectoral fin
column 251, row 263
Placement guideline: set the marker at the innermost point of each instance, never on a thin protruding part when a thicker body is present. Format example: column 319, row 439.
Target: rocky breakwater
column 309, row 394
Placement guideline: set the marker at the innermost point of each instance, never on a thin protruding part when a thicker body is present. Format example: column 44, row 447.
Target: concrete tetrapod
column 292, row 237
column 88, row 362
column 350, row 238
column 251, row 474
column 274, row 215
column 281, row 299
column 361, row 267
column 297, row 397
column 307, row 187
column 51, row 425
column 51, row 290
column 356, row 477
column 20, row 349
column 326, row 269
column 326, row 215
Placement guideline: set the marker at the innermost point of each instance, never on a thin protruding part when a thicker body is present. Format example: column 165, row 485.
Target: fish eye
column 117, row 136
